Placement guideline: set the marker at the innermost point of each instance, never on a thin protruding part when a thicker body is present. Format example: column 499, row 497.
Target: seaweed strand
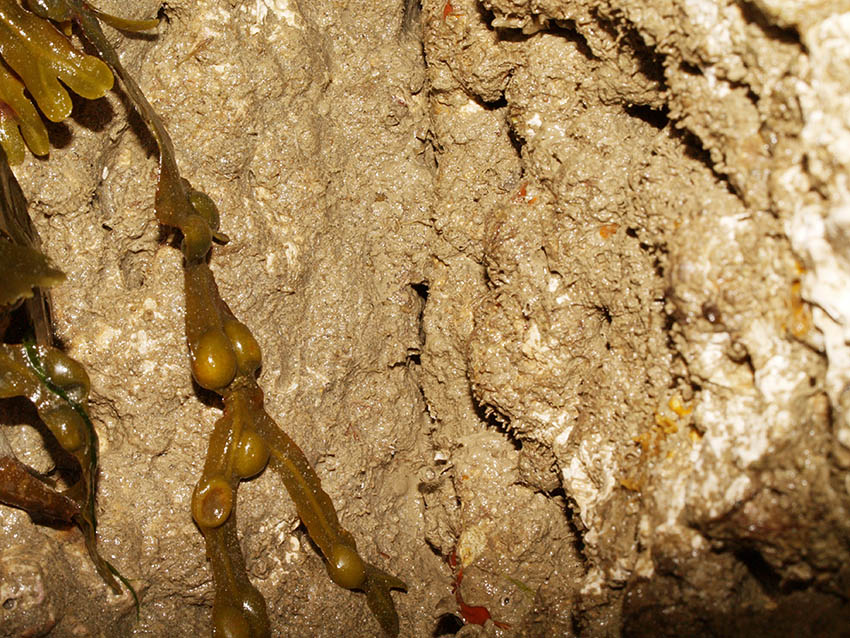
column 224, row 358
column 57, row 385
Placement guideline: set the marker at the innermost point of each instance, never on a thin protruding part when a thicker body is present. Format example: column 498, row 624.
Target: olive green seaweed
column 24, row 269
column 68, row 380
column 35, row 57
column 59, row 391
column 22, row 265
column 58, row 386
column 42, row 60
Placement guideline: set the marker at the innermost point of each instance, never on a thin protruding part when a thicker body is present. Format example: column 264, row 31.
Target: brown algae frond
column 38, row 57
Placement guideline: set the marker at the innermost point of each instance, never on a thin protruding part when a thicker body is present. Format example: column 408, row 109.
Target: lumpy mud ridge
column 554, row 296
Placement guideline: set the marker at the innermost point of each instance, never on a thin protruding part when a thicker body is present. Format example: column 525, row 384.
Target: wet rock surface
column 551, row 292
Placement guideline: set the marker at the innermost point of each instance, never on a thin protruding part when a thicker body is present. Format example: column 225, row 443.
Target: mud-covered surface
column 558, row 289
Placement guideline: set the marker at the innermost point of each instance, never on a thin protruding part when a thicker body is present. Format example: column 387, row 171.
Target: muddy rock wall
column 553, row 291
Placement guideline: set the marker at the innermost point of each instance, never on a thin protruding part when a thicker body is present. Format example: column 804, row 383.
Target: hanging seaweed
column 57, row 385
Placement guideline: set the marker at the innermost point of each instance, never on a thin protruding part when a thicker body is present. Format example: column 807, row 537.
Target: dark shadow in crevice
column 495, row 105
column 495, row 420
column 577, row 530
column 485, row 15
column 19, row 328
column 447, row 625
column 207, row 397
column 759, row 569
column 753, row 15
column 414, row 359
column 516, row 141
column 59, row 134
column 656, row 118
column 692, row 148
column 163, row 14
column 690, row 69
column 650, row 62
column 656, row 250
column 421, row 290
column 769, row 580
column 567, row 30
column 558, row 493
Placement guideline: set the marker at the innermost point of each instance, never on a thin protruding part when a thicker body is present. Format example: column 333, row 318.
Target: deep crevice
column 447, row 625
column 516, row 141
column 760, row 570
column 656, row 118
column 411, row 20
column 755, row 16
column 421, row 290
column 567, row 30
column 495, row 420
column 495, row 105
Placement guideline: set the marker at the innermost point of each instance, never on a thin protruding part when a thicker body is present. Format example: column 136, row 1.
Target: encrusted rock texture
column 553, row 293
